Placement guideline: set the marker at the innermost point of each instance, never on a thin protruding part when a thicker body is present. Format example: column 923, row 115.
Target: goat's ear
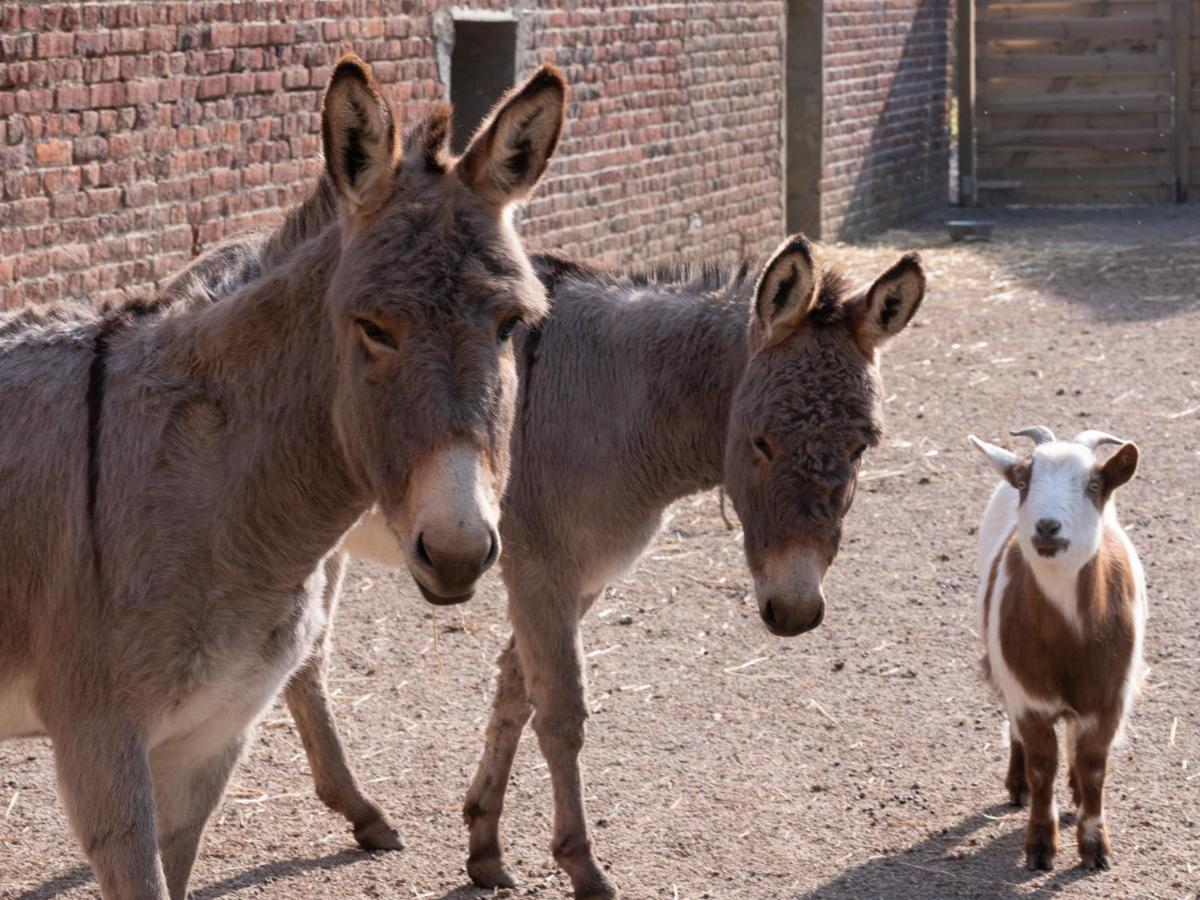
column 889, row 305
column 1119, row 467
column 786, row 290
column 1007, row 464
column 359, row 135
column 512, row 148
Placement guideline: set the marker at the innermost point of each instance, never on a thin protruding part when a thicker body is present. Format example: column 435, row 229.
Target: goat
column 1062, row 612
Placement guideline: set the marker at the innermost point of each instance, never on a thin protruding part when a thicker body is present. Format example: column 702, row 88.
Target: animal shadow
column 955, row 864
column 81, row 875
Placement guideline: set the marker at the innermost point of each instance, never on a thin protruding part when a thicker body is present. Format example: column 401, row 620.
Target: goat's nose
column 1048, row 527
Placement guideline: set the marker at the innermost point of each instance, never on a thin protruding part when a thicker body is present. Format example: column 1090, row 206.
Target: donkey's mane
column 700, row 278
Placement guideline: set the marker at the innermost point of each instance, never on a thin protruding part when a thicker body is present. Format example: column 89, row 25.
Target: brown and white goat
column 1062, row 612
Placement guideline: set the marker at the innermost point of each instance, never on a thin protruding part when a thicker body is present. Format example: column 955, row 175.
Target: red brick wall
column 887, row 96
column 135, row 134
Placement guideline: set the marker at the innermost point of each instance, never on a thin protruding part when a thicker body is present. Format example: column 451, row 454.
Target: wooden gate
column 1078, row 101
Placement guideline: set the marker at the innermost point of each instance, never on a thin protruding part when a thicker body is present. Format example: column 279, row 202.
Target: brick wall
column 134, row 134
column 887, row 94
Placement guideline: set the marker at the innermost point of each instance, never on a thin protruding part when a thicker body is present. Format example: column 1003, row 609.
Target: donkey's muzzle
column 446, row 573
column 788, row 620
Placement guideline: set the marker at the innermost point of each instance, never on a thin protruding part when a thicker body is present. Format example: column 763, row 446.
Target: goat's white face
column 1060, row 514
column 1064, row 496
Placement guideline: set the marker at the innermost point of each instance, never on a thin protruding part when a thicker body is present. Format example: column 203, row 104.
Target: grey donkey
column 635, row 392
column 176, row 473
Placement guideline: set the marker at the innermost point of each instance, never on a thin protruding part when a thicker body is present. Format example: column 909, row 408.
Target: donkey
column 178, row 471
column 635, row 392
column 1062, row 613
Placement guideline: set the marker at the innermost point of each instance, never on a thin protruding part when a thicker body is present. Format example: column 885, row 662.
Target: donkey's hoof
column 597, row 888
column 1018, row 798
column 378, row 835
column 491, row 872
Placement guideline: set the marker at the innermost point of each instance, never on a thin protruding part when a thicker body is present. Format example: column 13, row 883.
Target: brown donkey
column 636, row 392
column 177, row 472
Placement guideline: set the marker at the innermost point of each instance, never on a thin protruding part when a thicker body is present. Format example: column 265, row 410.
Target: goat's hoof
column 491, row 872
column 1039, row 858
column 1095, row 856
column 378, row 835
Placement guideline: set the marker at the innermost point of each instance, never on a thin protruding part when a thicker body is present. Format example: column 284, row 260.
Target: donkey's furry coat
column 638, row 390
column 174, row 474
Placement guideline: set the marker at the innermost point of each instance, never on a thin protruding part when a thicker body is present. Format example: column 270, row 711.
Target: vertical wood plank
column 1181, row 38
column 967, row 178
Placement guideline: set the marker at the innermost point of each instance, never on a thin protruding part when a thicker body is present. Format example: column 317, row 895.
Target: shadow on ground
column 1133, row 264
column 949, row 864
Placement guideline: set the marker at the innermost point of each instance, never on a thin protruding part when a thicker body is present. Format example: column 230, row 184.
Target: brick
column 52, row 153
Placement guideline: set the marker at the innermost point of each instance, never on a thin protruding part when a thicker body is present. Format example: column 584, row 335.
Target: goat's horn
column 1040, row 434
column 1094, row 439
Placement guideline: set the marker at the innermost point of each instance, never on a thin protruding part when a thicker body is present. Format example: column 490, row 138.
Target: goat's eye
column 761, row 445
column 375, row 334
column 504, row 332
column 1095, row 486
column 858, row 452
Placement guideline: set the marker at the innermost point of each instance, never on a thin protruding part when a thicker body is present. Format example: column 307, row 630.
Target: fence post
column 1181, row 30
column 965, row 25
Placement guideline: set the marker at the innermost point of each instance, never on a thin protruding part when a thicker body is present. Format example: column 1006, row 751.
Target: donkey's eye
column 761, row 445
column 504, row 332
column 375, row 334
column 858, row 452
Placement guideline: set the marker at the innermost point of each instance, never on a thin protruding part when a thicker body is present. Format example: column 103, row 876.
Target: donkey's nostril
column 1048, row 527
column 768, row 615
column 493, row 549
column 423, row 552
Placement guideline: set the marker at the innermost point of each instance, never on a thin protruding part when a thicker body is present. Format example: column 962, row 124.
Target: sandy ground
column 863, row 760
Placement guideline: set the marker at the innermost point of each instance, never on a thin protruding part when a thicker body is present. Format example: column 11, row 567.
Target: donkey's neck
column 266, row 355
column 699, row 349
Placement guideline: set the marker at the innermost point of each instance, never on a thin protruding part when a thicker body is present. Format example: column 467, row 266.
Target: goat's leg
column 552, row 659
column 186, row 791
column 1091, row 770
column 1018, row 787
column 308, row 699
column 1041, row 764
column 485, row 798
column 104, row 778
column 1072, row 771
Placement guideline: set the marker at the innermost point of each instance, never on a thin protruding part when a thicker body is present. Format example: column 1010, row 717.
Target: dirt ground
column 863, row 760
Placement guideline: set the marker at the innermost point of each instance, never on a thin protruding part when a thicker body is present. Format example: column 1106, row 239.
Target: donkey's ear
column 359, row 134
column 786, row 289
column 884, row 310
column 426, row 149
column 511, row 149
column 1007, row 464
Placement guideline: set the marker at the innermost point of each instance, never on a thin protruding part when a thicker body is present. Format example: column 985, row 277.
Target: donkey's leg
column 308, row 700
column 1041, row 762
column 485, row 797
column 552, row 660
column 186, row 792
column 1091, row 769
column 104, row 779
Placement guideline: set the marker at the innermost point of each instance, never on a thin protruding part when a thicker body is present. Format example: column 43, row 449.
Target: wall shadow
column 917, row 111
column 941, row 866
